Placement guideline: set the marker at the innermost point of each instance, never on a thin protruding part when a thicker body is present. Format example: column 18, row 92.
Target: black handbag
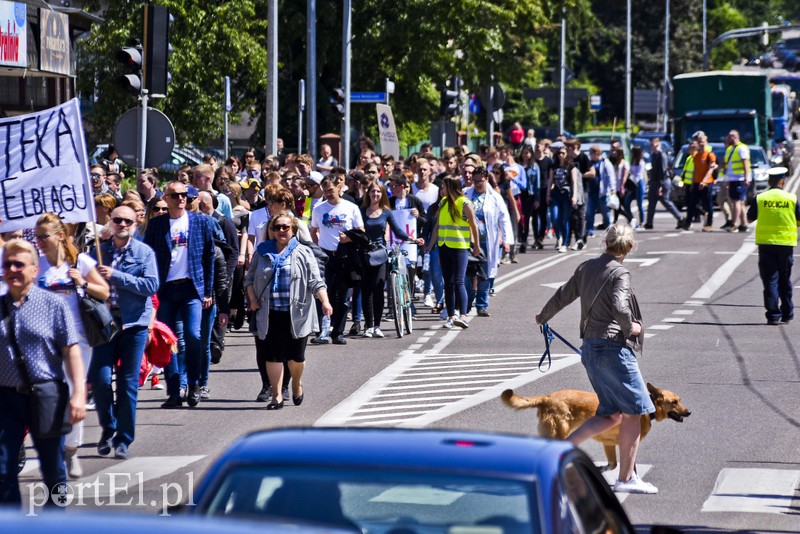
column 377, row 256
column 48, row 402
column 98, row 323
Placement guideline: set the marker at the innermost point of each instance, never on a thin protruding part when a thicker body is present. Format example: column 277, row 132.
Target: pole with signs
column 489, row 112
column 301, row 104
column 628, row 72
column 346, row 55
column 666, row 68
column 563, row 69
column 387, row 131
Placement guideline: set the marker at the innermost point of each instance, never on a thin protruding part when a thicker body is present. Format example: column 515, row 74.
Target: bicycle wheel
column 407, row 318
column 396, row 303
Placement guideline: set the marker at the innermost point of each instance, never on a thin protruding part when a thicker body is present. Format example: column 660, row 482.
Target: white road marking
column 643, row 262
column 694, row 303
column 554, row 285
column 648, row 335
column 415, row 346
column 125, row 475
column 765, row 491
column 660, row 327
column 525, row 272
column 31, row 465
column 725, row 271
column 683, row 312
column 673, row 252
column 674, row 319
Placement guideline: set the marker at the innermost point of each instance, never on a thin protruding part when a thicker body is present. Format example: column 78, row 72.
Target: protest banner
column 44, row 168
column 407, row 222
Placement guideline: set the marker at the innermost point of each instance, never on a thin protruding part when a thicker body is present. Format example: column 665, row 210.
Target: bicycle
column 399, row 291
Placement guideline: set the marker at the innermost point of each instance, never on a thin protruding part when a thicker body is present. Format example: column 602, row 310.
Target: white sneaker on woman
column 367, row 333
column 376, row 332
column 635, row 485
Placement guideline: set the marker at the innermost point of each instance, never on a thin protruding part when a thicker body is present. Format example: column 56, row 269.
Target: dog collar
column 652, row 416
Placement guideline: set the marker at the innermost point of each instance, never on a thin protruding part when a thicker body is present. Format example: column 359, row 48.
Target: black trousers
column 372, row 283
column 338, row 289
column 775, row 267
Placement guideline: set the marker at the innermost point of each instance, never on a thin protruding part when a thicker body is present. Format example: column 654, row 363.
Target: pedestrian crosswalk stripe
column 766, row 491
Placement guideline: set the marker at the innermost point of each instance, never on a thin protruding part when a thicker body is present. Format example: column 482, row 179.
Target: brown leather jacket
column 615, row 307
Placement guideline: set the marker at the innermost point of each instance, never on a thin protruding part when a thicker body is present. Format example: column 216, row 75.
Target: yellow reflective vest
column 453, row 233
column 736, row 162
column 777, row 223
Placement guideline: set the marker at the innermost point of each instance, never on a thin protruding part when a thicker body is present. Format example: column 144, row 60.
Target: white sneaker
column 562, row 248
column 460, row 322
column 635, row 485
column 448, row 323
column 429, row 302
column 376, row 332
column 367, row 333
column 74, row 470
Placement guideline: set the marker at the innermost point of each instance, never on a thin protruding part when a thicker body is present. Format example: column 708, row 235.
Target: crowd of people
column 288, row 247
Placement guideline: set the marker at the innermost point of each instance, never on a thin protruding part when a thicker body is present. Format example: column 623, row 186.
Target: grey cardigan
column 306, row 282
column 614, row 310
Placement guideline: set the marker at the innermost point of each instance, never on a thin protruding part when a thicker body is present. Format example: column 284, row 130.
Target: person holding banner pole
column 62, row 270
column 378, row 218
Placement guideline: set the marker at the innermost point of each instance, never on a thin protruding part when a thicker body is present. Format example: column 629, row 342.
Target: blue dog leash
column 548, row 334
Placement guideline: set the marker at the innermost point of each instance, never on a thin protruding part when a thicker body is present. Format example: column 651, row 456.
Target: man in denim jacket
column 132, row 273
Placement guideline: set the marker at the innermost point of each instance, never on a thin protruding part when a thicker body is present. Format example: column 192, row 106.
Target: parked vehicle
column 180, row 156
column 793, row 81
column 408, row 480
column 782, row 115
column 594, row 137
column 759, row 165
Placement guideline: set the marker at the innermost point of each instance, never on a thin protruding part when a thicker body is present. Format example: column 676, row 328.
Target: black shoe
column 339, row 340
column 216, row 353
column 320, row 340
column 648, row 226
column 238, row 321
column 743, row 228
column 121, row 452
column 355, row 329
column 275, row 405
column 538, row 245
column 104, row 444
column 172, row 402
column 193, row 399
column 772, row 321
column 786, row 320
column 298, row 400
column 22, row 457
column 264, row 395
column 523, row 249
column 728, row 224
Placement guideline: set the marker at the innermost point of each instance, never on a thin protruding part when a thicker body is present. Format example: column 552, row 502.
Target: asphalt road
column 734, row 465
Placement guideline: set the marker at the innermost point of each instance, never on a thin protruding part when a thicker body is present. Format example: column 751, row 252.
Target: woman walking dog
column 611, row 329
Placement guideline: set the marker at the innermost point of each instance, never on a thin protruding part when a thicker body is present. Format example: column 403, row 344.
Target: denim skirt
column 615, row 377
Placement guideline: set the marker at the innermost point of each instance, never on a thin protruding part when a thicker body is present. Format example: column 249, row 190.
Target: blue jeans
column 433, row 276
column 560, row 211
column 481, row 295
column 594, row 203
column 206, row 328
column 14, row 418
column 614, row 374
column 638, row 196
column 775, row 268
column 454, row 269
column 127, row 347
column 180, row 301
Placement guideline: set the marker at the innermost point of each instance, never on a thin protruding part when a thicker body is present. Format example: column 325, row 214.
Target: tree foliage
column 416, row 43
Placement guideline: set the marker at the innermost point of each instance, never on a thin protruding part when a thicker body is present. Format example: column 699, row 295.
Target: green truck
column 717, row 102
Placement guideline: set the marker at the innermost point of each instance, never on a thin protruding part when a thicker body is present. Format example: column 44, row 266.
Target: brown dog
column 563, row 411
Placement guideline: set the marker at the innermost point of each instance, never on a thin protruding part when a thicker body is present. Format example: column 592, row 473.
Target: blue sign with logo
column 474, row 104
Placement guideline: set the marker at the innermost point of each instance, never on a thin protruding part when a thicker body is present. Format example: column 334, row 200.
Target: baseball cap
column 191, row 192
column 251, row 182
column 315, row 176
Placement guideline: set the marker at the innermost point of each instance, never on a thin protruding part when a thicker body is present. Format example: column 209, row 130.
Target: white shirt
column 259, row 220
column 179, row 243
column 329, row 220
column 428, row 196
column 57, row 280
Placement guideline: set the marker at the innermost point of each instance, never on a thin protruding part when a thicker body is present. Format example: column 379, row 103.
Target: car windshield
column 379, row 501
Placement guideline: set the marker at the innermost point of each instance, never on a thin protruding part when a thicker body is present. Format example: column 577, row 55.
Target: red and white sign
column 13, row 34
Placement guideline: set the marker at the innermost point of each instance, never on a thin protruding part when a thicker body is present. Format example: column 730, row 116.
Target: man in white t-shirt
column 423, row 189
column 329, row 221
column 184, row 247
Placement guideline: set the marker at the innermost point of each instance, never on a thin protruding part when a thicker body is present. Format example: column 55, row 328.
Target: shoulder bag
column 48, row 402
column 98, row 323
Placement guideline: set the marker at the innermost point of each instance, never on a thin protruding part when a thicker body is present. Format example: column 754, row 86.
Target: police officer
column 776, row 236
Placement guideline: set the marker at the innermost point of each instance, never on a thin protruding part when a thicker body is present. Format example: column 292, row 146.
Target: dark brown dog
column 563, row 411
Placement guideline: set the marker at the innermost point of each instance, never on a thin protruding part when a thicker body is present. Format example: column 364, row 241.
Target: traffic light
column 157, row 21
column 131, row 56
column 450, row 99
column 338, row 100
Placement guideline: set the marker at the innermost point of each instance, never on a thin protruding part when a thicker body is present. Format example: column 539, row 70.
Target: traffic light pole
column 142, row 127
column 346, row 54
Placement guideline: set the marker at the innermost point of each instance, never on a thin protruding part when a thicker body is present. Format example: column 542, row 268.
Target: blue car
column 410, row 481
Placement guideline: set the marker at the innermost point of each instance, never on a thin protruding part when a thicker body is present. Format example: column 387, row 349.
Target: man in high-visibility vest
column 776, row 236
column 737, row 178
